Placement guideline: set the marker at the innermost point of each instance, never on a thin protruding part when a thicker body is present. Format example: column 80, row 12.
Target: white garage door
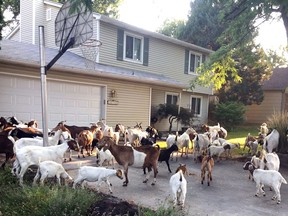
column 78, row 104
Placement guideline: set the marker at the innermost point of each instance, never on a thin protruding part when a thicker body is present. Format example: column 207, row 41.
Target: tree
column 240, row 19
column 171, row 112
column 172, row 28
column 106, row 7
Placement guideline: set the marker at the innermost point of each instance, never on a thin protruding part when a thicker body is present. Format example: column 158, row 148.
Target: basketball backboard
column 77, row 26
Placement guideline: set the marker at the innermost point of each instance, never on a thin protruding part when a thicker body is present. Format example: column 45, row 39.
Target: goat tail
column 180, row 176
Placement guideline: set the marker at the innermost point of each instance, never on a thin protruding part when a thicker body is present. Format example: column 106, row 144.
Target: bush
column 229, row 114
column 279, row 121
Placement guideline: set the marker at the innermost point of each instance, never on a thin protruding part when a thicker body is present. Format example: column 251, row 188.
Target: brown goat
column 74, row 130
column 207, row 165
column 85, row 139
column 128, row 156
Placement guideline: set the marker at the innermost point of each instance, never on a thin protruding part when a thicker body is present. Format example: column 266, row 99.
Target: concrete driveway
column 230, row 192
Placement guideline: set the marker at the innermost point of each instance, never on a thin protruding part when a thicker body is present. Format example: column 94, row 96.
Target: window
column 171, row 98
column 133, row 48
column 48, row 14
column 195, row 60
column 196, row 105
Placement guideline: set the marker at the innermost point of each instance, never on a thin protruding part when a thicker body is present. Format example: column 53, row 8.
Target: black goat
column 146, row 141
column 6, row 147
column 165, row 155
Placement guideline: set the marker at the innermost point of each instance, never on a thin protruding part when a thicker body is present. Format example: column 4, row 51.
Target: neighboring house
column 275, row 98
column 122, row 88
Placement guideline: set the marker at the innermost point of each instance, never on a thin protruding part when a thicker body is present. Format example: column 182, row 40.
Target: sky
column 150, row 15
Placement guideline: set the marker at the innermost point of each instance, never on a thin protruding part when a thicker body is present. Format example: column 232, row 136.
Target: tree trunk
column 284, row 16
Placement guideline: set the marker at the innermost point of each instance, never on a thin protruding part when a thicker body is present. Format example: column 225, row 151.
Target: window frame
column 48, row 14
column 195, row 66
column 201, row 105
column 141, row 47
column 172, row 94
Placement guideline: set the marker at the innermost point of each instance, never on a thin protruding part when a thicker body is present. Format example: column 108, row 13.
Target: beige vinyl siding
column 131, row 107
column 50, row 27
column 26, row 21
column 40, row 19
column 164, row 58
column 260, row 113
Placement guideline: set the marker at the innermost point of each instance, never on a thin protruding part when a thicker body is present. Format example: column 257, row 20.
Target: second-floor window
column 171, row 98
column 133, row 47
column 196, row 103
column 195, row 60
column 48, row 14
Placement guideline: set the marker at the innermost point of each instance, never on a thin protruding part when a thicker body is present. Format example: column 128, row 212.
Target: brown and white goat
column 128, row 156
column 207, row 165
column 74, row 130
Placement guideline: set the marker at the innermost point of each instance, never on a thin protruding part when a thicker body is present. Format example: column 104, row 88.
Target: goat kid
column 207, row 165
column 96, row 174
column 50, row 169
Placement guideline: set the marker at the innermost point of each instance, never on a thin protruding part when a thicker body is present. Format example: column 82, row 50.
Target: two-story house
column 122, row 88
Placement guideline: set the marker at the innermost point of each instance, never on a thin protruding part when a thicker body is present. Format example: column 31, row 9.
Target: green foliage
column 172, row 112
column 172, row 28
column 41, row 200
column 279, row 121
column 229, row 114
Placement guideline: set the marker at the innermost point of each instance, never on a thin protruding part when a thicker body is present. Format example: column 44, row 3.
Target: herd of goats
column 24, row 142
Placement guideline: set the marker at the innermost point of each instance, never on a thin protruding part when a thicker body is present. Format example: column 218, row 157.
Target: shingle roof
column 29, row 54
column 278, row 80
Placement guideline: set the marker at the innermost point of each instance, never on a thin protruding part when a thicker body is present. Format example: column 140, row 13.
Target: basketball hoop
column 90, row 49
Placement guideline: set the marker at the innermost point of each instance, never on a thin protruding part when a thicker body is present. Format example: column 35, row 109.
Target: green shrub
column 279, row 121
column 229, row 114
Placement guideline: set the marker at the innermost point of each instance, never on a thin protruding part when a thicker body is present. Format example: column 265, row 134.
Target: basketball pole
column 43, row 85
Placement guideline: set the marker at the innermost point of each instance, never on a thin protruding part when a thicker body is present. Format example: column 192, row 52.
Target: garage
column 77, row 103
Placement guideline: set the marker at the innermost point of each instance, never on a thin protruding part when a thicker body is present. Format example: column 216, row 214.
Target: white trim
column 189, row 62
column 150, row 105
column 59, row 5
column 98, row 38
column 173, row 94
column 201, row 104
column 48, row 14
column 142, row 47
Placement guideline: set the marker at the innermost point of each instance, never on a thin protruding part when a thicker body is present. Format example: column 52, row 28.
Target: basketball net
column 90, row 50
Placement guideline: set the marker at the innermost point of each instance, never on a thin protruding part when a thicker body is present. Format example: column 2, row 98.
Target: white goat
column 96, row 174
column 216, row 151
column 272, row 161
column 50, row 169
column 271, row 141
column 178, row 185
column 201, row 143
column 135, row 134
column 181, row 141
column 271, row 178
column 52, row 141
column 104, row 156
column 29, row 155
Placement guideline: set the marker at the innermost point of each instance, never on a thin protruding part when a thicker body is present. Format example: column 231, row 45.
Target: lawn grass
column 238, row 135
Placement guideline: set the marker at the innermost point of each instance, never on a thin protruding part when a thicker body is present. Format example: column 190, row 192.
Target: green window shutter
column 120, row 44
column 146, row 52
column 186, row 61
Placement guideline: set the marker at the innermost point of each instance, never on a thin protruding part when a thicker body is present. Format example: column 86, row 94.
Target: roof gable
column 278, row 80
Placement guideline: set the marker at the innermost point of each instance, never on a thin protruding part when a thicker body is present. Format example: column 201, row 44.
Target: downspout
column 150, row 104
column 180, row 102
